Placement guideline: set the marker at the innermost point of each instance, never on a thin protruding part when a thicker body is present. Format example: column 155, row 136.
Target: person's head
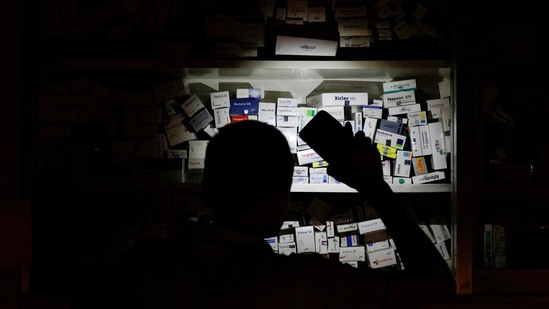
column 248, row 165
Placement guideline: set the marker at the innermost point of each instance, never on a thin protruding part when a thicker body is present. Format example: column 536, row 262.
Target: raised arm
column 426, row 278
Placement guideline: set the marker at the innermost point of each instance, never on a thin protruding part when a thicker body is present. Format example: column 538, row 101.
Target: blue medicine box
column 244, row 106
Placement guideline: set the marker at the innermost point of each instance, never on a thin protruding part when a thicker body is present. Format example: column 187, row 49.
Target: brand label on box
column 399, row 98
column 287, row 248
column 319, row 178
column 300, row 180
column 267, row 113
column 434, row 176
column 287, row 102
column 338, row 99
column 342, row 228
column 382, row 258
column 197, row 153
column 353, row 27
column 402, row 181
column 369, row 127
column 390, row 139
column 406, row 109
column 391, row 126
column 402, row 85
column 244, row 106
column 220, row 99
column 425, row 140
column 321, row 241
column 389, row 152
column 376, row 246
column 350, row 240
column 200, row 120
column 287, row 121
column 300, row 171
column 403, row 164
column 415, row 141
column 192, row 105
column 420, row 166
column 349, row 254
column 305, row 239
column 434, row 106
column 333, row 244
column 438, row 154
column 374, row 110
column 370, row 226
column 221, row 117
column 308, row 156
column 286, row 238
column 286, row 45
column 417, row 118
column 318, row 170
column 354, row 41
column 253, row 93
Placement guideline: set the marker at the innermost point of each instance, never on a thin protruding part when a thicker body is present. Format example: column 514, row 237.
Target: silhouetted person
column 227, row 264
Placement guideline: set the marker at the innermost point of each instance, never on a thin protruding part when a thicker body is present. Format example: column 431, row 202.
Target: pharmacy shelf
column 342, row 188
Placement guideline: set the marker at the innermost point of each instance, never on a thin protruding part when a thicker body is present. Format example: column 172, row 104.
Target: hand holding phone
column 326, row 136
column 352, row 159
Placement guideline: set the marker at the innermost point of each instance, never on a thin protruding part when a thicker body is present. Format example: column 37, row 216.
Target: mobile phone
column 326, row 136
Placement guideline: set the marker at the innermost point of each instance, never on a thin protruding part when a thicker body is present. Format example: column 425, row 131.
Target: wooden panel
column 15, row 238
column 511, row 281
column 10, row 94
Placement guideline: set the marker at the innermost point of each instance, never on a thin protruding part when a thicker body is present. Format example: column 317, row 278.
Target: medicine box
column 415, row 141
column 353, row 27
column 405, row 109
column 434, row 176
column 220, row 99
column 305, row 239
column 300, row 180
column 308, row 156
column 346, row 227
column 192, row 105
column 390, row 139
column 221, row 117
column 333, row 245
column 319, row 178
column 417, row 118
column 338, row 99
column 370, row 226
column 382, row 258
column 349, row 254
column 399, row 98
column 200, row 119
column 397, row 86
column 403, row 164
column 434, row 106
column 373, row 110
column 354, row 41
column 244, row 106
column 301, row 171
column 287, row 248
column 267, row 113
column 251, row 93
column 369, row 127
column 287, row 102
column 402, row 181
column 197, row 153
column 438, row 153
